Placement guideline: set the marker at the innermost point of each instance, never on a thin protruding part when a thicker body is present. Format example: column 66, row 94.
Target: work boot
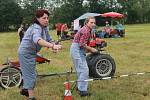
column 24, row 92
column 84, row 93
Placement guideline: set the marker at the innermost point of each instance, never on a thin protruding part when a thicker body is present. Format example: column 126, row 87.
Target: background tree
column 29, row 7
column 15, row 12
column 137, row 10
column 10, row 14
column 68, row 11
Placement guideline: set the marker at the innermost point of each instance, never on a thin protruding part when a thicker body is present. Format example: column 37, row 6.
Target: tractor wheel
column 101, row 65
column 10, row 77
column 89, row 59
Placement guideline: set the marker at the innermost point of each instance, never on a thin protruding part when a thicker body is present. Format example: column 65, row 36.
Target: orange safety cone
column 67, row 95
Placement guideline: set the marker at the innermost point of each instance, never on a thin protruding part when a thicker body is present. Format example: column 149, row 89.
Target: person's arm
column 62, row 29
column 66, row 29
column 37, row 39
column 44, row 43
column 90, row 49
column 19, row 31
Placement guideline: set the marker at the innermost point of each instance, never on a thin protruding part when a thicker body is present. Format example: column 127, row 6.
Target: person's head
column 66, row 25
column 106, row 22
column 41, row 17
column 90, row 22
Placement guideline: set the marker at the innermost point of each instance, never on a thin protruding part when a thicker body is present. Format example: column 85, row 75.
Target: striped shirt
column 83, row 36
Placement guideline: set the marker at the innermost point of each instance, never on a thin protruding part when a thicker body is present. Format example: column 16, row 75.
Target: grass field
column 131, row 54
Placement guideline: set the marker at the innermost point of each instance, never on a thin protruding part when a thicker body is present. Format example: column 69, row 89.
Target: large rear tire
column 101, row 65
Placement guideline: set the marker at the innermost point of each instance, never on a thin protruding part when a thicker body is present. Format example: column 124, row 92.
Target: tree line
column 15, row 12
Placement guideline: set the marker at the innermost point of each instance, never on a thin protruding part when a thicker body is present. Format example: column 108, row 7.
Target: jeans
column 79, row 60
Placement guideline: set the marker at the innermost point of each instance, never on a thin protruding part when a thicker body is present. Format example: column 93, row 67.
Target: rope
column 106, row 78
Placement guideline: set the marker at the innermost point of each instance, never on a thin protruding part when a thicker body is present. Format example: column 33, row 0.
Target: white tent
column 84, row 16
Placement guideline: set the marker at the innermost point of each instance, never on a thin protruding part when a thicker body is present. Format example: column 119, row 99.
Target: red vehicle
column 10, row 73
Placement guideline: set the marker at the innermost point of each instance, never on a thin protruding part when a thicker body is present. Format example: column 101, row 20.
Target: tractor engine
column 97, row 43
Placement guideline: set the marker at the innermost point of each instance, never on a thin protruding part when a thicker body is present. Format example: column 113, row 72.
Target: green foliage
column 137, row 10
column 15, row 12
column 10, row 14
column 68, row 11
column 29, row 7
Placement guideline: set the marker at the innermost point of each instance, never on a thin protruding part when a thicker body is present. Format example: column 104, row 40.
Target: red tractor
column 100, row 64
column 10, row 73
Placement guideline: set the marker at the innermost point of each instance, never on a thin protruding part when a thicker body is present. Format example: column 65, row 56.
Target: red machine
column 10, row 73
column 98, row 43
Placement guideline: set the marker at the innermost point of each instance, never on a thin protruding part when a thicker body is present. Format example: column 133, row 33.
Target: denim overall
column 27, row 53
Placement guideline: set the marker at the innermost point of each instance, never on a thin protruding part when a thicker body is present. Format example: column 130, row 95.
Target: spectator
column 107, row 30
column 120, row 29
column 58, row 29
column 64, row 31
column 21, row 31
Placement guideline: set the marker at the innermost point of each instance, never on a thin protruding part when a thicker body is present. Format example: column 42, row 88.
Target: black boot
column 84, row 93
column 24, row 92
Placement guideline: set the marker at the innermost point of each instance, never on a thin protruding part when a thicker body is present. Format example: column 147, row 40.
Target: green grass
column 131, row 54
